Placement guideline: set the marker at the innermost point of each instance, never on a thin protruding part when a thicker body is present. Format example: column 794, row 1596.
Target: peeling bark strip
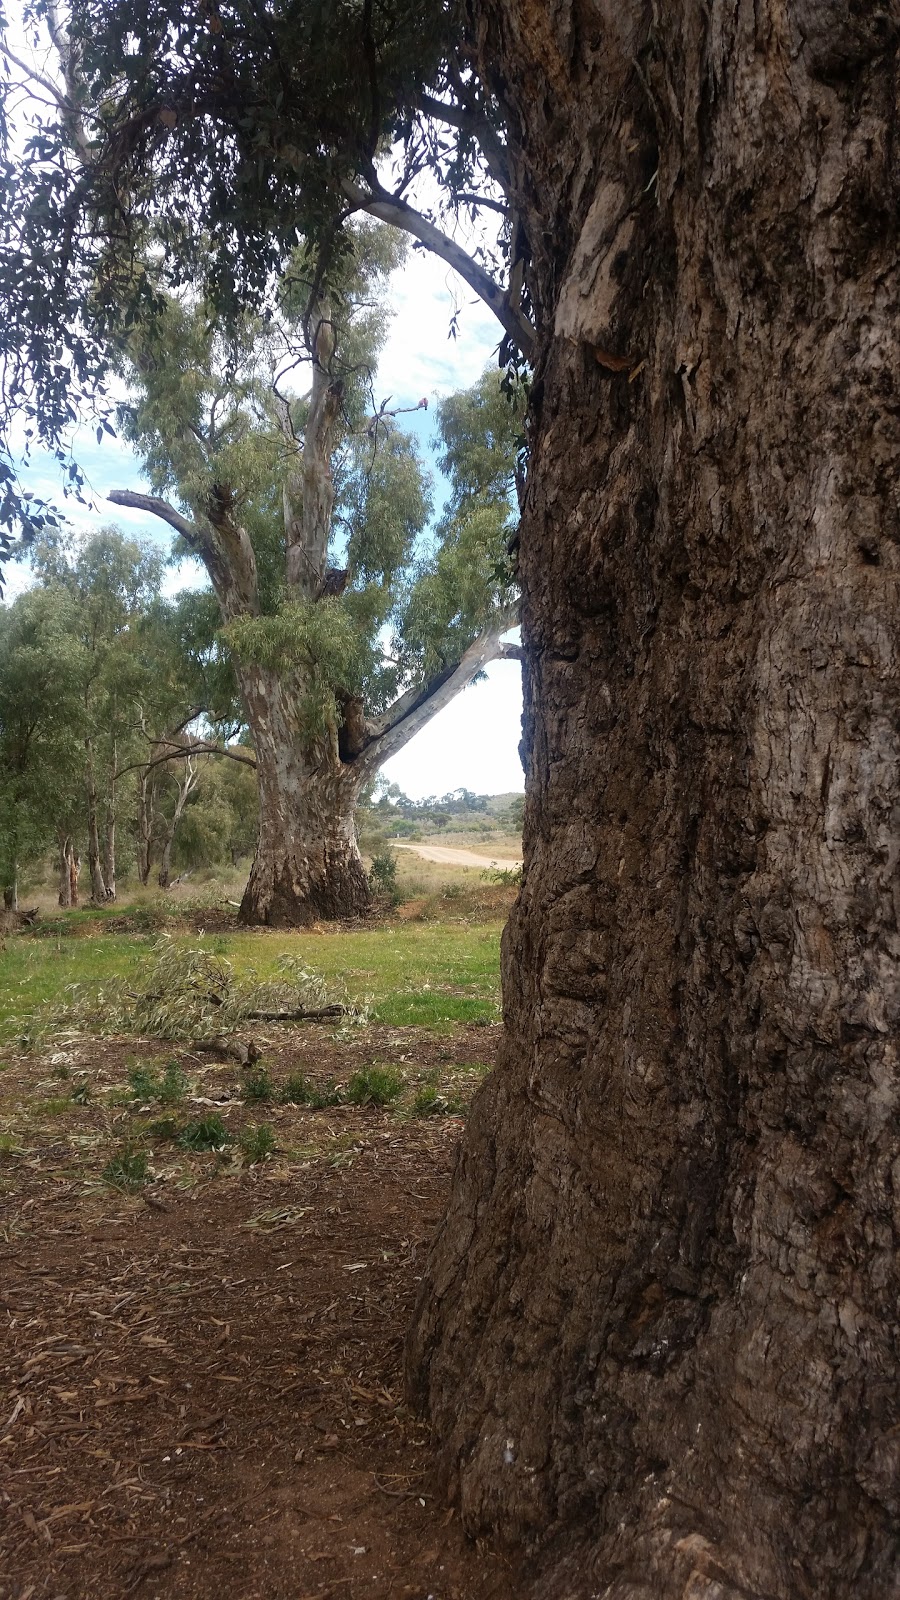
column 659, row 1321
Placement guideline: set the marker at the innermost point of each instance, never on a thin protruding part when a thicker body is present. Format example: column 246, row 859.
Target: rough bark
column 307, row 865
column 11, row 895
column 658, row 1326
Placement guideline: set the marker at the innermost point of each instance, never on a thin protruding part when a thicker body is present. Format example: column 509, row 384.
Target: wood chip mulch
column 200, row 1387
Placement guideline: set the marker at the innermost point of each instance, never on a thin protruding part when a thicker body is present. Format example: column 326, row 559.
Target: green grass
column 300, row 1091
column 428, row 975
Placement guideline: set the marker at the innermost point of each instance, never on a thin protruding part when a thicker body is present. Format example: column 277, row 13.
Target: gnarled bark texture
column 660, row 1319
column 307, row 864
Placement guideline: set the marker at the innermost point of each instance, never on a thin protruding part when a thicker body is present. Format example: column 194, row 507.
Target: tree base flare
column 286, row 894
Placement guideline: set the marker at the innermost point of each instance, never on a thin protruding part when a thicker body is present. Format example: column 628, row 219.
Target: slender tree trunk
column 109, row 833
column 307, row 864
column 145, row 796
column 98, row 886
column 186, row 784
column 69, row 868
column 658, row 1326
column 11, row 893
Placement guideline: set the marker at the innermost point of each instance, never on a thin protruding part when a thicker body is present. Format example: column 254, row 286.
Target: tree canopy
column 223, row 138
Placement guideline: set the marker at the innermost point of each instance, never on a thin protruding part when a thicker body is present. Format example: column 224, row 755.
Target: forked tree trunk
column 659, row 1322
column 307, row 864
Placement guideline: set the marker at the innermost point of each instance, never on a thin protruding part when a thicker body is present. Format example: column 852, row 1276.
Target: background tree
column 113, row 583
column 348, row 627
column 41, row 748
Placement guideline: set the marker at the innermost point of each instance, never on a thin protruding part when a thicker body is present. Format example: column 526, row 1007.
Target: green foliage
column 163, row 1129
column 429, row 1102
column 257, row 1143
column 258, row 1086
column 183, row 992
column 147, row 1084
column 207, row 1133
column 374, row 1086
column 299, row 1091
column 127, row 1169
column 383, row 873
column 509, row 877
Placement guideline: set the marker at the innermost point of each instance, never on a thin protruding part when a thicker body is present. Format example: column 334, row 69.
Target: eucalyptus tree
column 350, row 623
column 659, row 1319
column 113, row 584
column 41, row 734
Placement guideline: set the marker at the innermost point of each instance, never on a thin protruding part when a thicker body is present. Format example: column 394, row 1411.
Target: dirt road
column 448, row 856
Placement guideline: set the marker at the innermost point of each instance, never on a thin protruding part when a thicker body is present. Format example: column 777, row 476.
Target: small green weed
column 299, row 1091
column 9, row 1145
column 143, row 1082
column 375, row 1086
column 51, row 1108
column 164, row 1128
column 429, row 1102
column 257, row 1143
column 81, row 1094
column 209, row 1133
column 127, row 1170
column 258, row 1087
column 62, row 1072
column 146, row 1084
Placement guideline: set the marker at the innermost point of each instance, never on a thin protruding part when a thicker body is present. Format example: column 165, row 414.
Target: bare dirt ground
column 449, row 856
column 200, row 1383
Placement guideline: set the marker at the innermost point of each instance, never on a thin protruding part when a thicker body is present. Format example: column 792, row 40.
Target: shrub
column 257, row 1143
column 298, row 1091
column 164, row 1128
column 146, row 1084
column 258, row 1086
column 209, row 1133
column 374, row 1086
column 127, row 1170
column 429, row 1102
column 383, row 873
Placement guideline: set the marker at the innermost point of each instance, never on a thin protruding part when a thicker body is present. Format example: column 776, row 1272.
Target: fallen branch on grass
column 302, row 1014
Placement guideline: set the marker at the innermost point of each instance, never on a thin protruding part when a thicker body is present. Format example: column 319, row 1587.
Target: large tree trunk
column 307, row 864
column 659, row 1322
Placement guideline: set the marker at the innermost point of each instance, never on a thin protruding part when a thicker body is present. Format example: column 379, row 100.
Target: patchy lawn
column 206, row 1272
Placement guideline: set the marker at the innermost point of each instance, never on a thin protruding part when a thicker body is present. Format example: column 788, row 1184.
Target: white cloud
column 471, row 744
